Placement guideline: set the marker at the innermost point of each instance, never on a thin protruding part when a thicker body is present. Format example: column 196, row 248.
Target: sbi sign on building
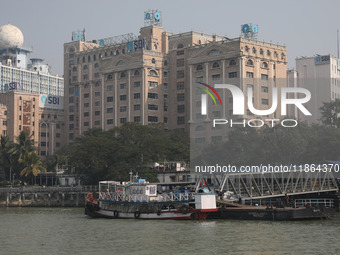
column 51, row 102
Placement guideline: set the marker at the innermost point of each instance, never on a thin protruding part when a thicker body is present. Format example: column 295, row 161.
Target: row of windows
column 262, row 52
column 136, row 73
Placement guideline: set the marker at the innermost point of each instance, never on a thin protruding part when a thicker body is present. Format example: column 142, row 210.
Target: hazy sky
column 305, row 27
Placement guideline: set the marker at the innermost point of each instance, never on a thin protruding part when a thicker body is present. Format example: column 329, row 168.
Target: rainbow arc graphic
column 204, row 97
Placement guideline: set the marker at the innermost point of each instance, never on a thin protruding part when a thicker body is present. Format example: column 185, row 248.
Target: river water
column 69, row 231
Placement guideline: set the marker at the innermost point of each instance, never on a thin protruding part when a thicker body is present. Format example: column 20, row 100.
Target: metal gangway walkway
column 261, row 185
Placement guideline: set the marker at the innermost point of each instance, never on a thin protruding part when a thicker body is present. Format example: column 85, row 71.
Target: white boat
column 142, row 200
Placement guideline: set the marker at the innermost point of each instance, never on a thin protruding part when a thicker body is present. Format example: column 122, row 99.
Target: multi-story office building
column 31, row 98
column 321, row 76
column 151, row 78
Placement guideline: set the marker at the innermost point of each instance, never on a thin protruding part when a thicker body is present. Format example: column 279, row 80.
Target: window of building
column 109, row 99
column 110, row 77
column 109, row 110
column 199, row 79
column 250, row 62
column 264, row 101
column 86, row 124
column 199, row 67
column 71, row 118
column 165, row 85
column 136, row 96
column 153, row 107
column 71, row 127
column 57, row 135
column 153, row 73
column 122, row 120
column 215, row 65
column 165, row 62
column 97, row 94
column 261, row 51
column 268, row 53
column 97, row 103
column 152, row 118
column 97, row 123
column 137, row 73
column 136, row 107
column 232, row 74
column 122, row 108
column 74, row 69
column 180, row 108
column 74, row 78
column 264, row 89
column 153, row 60
column 250, row 74
column 180, row 52
column 122, row 86
column 246, row 48
column 86, row 95
column 153, row 84
column 180, row 120
column 71, row 108
column 58, row 126
column 136, row 84
column 109, row 87
column 153, row 95
column 180, row 62
column 109, row 121
column 264, row 65
column 71, row 136
column 136, row 119
column 283, row 56
column 97, row 113
column 70, row 100
column 180, row 74
column 180, row 46
column 216, row 77
column 122, row 97
column 180, row 85
column 180, row 97
column 264, row 77
column 232, row 62
column 86, row 114
column 275, row 54
column 254, row 50
column 86, row 105
column 85, row 67
column 123, row 75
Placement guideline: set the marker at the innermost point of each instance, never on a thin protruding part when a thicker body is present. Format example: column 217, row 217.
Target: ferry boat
column 142, row 200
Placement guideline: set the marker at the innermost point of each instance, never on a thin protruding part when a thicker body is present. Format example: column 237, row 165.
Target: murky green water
column 69, row 231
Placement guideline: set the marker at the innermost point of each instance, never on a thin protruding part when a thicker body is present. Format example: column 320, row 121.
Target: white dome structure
column 11, row 36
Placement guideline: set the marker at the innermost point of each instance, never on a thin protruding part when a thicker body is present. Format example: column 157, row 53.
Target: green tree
column 24, row 145
column 32, row 165
column 331, row 113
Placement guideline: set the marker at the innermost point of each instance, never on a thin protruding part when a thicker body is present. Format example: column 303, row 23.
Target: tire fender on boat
column 159, row 212
column 116, row 214
column 184, row 209
column 89, row 196
column 137, row 214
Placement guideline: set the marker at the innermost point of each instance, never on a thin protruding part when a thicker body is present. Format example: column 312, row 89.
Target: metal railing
column 23, row 189
column 165, row 197
column 328, row 203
